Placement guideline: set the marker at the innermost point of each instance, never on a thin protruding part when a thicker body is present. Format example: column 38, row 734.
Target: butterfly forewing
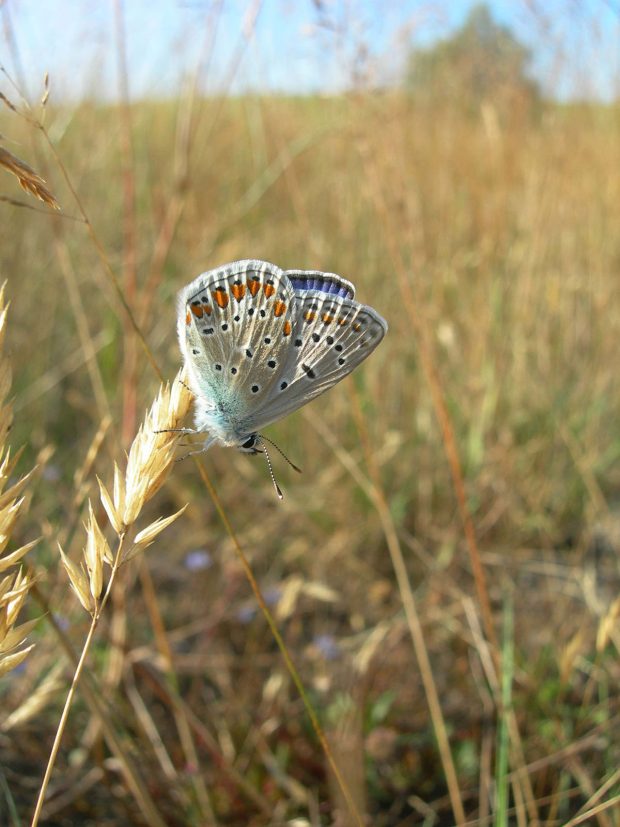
column 332, row 335
column 235, row 330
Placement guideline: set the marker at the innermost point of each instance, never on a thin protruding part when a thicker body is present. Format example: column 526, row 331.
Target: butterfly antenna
column 270, row 466
column 281, row 452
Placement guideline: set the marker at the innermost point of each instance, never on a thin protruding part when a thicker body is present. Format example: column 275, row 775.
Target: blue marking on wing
column 328, row 286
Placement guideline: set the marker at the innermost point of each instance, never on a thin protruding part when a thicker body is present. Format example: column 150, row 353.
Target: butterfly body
column 259, row 342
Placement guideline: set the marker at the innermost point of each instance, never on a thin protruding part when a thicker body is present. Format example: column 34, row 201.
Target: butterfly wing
column 305, row 281
column 331, row 336
column 235, row 325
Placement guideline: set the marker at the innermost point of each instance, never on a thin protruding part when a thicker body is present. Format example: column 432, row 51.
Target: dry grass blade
column 13, row 588
column 7, row 102
column 29, row 180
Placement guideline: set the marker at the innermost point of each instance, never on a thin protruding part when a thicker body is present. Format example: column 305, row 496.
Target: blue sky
column 288, row 45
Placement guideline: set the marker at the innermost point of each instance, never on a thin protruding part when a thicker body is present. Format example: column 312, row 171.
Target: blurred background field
column 468, row 183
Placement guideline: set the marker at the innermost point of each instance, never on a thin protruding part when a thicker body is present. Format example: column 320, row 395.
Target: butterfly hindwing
column 331, row 336
column 306, row 281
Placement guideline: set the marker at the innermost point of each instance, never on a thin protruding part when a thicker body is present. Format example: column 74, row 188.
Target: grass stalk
column 503, row 739
column 292, row 669
column 62, row 723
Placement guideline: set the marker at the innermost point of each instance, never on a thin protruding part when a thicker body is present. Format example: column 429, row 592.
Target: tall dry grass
column 15, row 583
column 491, row 246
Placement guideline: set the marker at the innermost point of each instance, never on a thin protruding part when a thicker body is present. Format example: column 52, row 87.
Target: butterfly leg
column 177, row 431
column 205, row 447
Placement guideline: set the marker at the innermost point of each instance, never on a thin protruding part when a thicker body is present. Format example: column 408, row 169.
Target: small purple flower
column 51, row 473
column 272, row 595
column 198, row 560
column 246, row 613
column 328, row 646
column 63, row 622
column 19, row 669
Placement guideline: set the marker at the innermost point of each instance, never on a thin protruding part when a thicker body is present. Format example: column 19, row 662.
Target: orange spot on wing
column 197, row 311
column 309, row 316
column 253, row 287
column 342, row 321
column 279, row 308
column 238, row 291
column 356, row 326
column 269, row 289
column 207, row 309
column 287, row 328
column 188, row 317
column 327, row 318
column 220, row 297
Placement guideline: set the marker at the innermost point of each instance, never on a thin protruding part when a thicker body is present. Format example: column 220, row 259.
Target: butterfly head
column 248, row 445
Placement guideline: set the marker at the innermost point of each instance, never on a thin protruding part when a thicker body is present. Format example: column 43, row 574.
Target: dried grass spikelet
column 14, row 587
column 150, row 458
column 29, row 180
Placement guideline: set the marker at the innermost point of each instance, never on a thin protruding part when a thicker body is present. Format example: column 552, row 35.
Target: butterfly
column 259, row 342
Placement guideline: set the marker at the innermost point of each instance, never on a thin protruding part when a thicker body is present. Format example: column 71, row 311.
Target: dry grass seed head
column 150, row 458
column 13, row 592
column 13, row 588
column 152, row 452
column 79, row 581
column 96, row 551
column 29, row 180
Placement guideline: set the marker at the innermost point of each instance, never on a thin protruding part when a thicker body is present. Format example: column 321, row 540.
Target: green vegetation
column 481, row 62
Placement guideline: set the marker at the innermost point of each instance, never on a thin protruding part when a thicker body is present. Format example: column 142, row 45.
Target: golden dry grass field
column 444, row 573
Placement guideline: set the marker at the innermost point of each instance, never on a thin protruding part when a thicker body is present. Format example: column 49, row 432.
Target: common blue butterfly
column 259, row 342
